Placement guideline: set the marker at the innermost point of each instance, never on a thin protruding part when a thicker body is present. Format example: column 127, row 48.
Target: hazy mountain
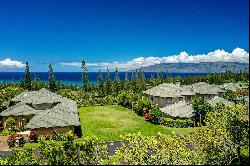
column 198, row 67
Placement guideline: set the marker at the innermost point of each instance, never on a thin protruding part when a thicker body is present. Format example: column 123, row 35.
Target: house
column 43, row 111
column 180, row 109
column 205, row 90
column 218, row 99
column 168, row 93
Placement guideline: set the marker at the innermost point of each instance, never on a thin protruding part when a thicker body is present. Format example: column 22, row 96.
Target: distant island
column 213, row 67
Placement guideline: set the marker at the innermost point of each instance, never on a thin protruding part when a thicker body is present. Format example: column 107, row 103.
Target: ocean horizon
column 74, row 78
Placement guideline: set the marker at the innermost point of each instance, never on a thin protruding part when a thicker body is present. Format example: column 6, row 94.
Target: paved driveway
column 3, row 143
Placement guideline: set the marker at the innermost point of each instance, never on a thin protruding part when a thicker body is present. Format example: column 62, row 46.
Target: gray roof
column 58, row 111
column 168, row 90
column 204, row 88
column 19, row 109
column 218, row 99
column 38, row 97
column 61, row 115
column 179, row 109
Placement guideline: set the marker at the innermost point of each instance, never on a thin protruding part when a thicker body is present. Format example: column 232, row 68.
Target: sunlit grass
column 109, row 122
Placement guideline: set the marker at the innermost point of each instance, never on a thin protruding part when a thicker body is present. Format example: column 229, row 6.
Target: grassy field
column 109, row 122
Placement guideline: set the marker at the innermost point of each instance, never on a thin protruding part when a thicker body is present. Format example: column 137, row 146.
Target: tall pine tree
column 117, row 82
column 52, row 80
column 108, row 83
column 142, row 82
column 126, row 81
column 27, row 80
column 100, row 84
column 36, row 83
column 85, row 77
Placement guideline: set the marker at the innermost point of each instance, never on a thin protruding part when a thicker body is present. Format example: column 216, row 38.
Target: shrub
column 6, row 132
column 21, row 141
column 147, row 116
column 10, row 121
column 11, row 141
column 142, row 106
column 33, row 136
column 156, row 115
column 178, row 123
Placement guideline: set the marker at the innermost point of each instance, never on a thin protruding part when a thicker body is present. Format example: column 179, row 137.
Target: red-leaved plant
column 147, row 116
column 33, row 136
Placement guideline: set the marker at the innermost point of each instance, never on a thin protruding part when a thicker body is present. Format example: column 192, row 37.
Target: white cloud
column 220, row 55
column 8, row 63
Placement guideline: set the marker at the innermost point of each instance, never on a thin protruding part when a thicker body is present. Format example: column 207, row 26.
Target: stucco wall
column 43, row 131
column 162, row 102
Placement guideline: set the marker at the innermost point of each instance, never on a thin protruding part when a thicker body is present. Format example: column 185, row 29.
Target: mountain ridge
column 213, row 67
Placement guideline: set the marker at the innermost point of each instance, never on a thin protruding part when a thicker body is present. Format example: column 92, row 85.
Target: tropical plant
column 10, row 122
column 201, row 108
column 156, row 114
column 33, row 136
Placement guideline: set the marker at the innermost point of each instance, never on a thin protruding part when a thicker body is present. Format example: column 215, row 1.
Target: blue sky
column 127, row 32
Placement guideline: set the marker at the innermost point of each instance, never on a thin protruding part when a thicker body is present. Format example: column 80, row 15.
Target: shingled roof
column 204, row 88
column 168, row 90
column 19, row 109
column 48, row 108
column 218, row 99
column 179, row 109
column 39, row 97
column 60, row 116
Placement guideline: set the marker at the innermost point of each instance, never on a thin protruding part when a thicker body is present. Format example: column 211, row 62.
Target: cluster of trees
column 37, row 84
column 108, row 88
column 217, row 78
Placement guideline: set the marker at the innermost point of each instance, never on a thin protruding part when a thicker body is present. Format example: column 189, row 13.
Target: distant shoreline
column 75, row 77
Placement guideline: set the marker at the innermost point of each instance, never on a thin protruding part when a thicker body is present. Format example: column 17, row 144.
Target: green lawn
column 109, row 122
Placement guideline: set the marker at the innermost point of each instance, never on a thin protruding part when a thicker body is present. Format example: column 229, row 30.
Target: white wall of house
column 162, row 102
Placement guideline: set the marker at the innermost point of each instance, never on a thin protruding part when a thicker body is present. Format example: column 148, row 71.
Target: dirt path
column 3, row 143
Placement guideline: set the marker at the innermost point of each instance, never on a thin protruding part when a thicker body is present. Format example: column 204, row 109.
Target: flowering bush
column 33, row 136
column 70, row 135
column 11, row 141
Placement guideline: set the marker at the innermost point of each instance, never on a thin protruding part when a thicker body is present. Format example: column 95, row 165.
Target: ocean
column 75, row 77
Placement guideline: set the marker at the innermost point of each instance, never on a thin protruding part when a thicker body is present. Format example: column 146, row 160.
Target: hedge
column 178, row 123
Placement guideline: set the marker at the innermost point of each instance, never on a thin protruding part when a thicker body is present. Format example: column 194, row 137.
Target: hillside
column 198, row 67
